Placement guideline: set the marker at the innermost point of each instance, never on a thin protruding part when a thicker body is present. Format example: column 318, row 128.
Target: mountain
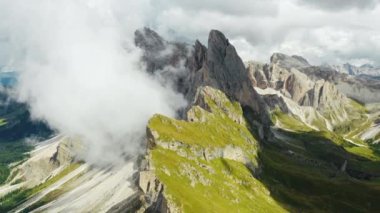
column 285, row 136
column 285, row 74
column 365, row 69
column 362, row 88
column 310, row 146
column 210, row 156
column 310, row 143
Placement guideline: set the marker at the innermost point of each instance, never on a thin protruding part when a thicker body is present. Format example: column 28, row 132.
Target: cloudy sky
column 324, row 31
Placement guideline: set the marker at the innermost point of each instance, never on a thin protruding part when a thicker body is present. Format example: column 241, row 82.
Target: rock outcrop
column 223, row 69
column 46, row 161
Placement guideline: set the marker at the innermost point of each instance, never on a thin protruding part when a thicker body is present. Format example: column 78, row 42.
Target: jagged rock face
column 158, row 53
column 223, row 69
column 258, row 74
column 287, row 75
column 196, row 74
column 43, row 163
column 362, row 88
column 218, row 66
column 224, row 65
column 274, row 101
column 226, row 71
column 149, row 40
column 198, row 56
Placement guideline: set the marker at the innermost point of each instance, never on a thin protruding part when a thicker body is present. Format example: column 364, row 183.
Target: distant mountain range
column 365, row 69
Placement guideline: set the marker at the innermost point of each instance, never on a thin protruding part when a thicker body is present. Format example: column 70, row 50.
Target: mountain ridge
column 285, row 136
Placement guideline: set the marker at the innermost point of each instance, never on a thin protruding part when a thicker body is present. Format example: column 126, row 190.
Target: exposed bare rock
column 149, row 40
column 258, row 74
column 131, row 204
column 47, row 160
column 307, row 114
column 288, row 75
column 159, row 53
column 223, row 69
column 217, row 65
column 360, row 87
column 289, row 61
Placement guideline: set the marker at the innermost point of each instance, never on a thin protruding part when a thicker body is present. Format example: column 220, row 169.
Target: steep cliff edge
column 210, row 156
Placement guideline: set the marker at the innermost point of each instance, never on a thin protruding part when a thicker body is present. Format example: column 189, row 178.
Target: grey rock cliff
column 159, row 53
column 218, row 65
column 296, row 79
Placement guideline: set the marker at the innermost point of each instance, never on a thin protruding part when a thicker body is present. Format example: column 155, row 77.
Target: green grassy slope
column 319, row 171
column 196, row 183
column 302, row 169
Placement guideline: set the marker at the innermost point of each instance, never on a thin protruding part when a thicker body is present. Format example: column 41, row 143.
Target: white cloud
column 80, row 71
column 265, row 26
column 333, row 35
column 337, row 5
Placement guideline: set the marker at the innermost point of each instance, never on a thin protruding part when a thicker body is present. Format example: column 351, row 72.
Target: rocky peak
column 198, row 56
column 148, row 39
column 224, row 64
column 217, row 45
column 289, row 61
column 306, row 85
column 217, row 65
column 159, row 53
column 258, row 74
